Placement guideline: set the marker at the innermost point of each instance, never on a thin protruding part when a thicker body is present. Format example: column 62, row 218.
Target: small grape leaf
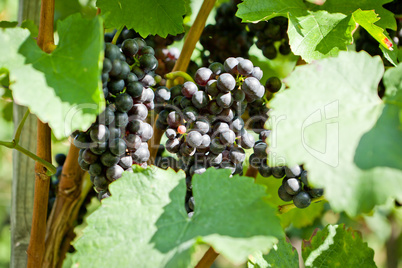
column 8, row 24
column 145, row 17
column 299, row 218
column 62, row 88
column 325, row 29
column 31, row 26
column 144, row 222
column 319, row 34
column 327, row 120
column 256, row 10
column 366, row 19
column 336, row 247
column 282, row 254
column 347, row 7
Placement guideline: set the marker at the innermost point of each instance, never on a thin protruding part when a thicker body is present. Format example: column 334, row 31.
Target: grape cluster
column 295, row 186
column 119, row 136
column 203, row 120
column 228, row 37
column 270, row 32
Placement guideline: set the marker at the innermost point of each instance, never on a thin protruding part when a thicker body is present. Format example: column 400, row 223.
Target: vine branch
column 208, row 259
column 36, row 248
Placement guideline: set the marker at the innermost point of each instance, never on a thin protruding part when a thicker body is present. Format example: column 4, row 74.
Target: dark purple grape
column 202, row 76
column 302, row 200
column 226, row 82
column 189, row 89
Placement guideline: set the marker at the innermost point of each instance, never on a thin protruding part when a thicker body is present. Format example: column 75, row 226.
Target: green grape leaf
column 282, row 254
column 144, row 223
column 299, row 218
column 256, row 10
column 145, row 17
column 336, row 247
column 348, row 7
column 31, row 26
column 325, row 29
column 61, row 88
column 319, row 34
column 366, row 19
column 8, row 24
column 332, row 120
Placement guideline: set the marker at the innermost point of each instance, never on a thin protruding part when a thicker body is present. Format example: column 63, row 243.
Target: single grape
column 117, row 146
column 126, row 161
column 124, row 102
column 108, row 159
column 273, row 84
column 121, row 119
column 202, row 76
column 217, row 68
column 284, row 195
column 89, row 157
column 292, row 186
column 147, row 132
column 255, row 161
column 302, row 200
column 148, row 62
column 237, row 155
column 293, row 172
column 201, row 126
column 129, row 47
column 133, row 141
column 200, row 99
column 139, row 111
column 245, row 67
column 114, row 172
column 174, row 119
column 170, row 133
column 227, row 137
column 303, row 177
column 95, row 169
column 212, row 88
column 226, row 82
column 224, row 100
column 260, row 149
column 194, row 139
column 230, row 65
column 115, row 86
column 189, row 89
column 173, row 146
column 278, row 172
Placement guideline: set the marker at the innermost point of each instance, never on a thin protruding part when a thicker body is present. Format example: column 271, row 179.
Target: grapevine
column 188, row 134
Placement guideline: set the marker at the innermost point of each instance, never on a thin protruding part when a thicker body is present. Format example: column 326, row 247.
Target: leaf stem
column 14, row 145
column 50, row 168
column 116, row 36
column 285, row 208
column 20, row 126
column 173, row 75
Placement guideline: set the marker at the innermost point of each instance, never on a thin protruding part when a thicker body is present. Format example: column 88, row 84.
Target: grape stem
column 116, row 36
column 285, row 208
column 14, row 144
column 173, row 75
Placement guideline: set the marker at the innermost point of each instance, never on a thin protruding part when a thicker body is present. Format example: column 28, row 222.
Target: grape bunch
column 228, row 37
column 203, row 122
column 270, row 32
column 295, row 186
column 119, row 136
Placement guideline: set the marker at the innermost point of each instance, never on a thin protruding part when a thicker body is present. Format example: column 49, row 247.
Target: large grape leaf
column 281, row 255
column 144, row 222
column 332, row 120
column 145, row 17
column 321, row 32
column 61, row 88
column 336, row 247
